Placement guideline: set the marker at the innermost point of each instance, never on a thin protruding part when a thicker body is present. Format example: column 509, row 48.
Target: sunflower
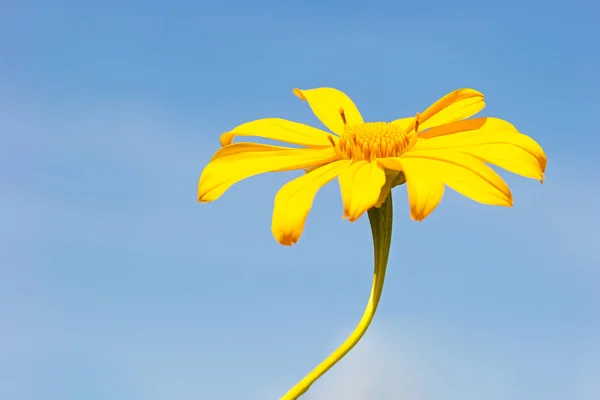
column 436, row 148
column 442, row 146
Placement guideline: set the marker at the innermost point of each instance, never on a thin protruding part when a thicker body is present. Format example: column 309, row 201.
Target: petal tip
column 287, row 240
column 298, row 93
column 354, row 217
column 417, row 218
column 346, row 214
column 226, row 139
column 206, row 196
column 469, row 92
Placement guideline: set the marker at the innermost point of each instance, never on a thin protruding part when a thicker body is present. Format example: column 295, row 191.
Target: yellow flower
column 436, row 148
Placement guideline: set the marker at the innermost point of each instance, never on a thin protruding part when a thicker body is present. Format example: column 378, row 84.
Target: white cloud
column 409, row 361
column 379, row 367
column 400, row 363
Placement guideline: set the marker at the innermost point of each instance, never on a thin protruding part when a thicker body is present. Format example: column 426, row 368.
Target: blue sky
column 115, row 284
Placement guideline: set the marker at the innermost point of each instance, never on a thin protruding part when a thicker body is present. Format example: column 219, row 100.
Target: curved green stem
column 381, row 228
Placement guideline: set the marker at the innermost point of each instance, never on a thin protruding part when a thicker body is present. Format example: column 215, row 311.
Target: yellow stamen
column 417, row 118
column 343, row 115
column 331, row 140
column 372, row 140
column 414, row 125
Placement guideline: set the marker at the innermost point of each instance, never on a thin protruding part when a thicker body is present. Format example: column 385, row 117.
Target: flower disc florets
column 371, row 140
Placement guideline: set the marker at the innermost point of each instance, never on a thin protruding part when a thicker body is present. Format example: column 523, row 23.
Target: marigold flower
column 436, row 148
column 441, row 146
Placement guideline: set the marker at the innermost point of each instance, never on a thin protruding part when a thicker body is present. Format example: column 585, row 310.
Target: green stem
column 381, row 228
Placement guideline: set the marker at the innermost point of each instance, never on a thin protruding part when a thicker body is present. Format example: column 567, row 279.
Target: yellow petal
column 513, row 158
column 244, row 147
column 488, row 124
column 279, row 129
column 425, row 191
column 392, row 178
column 455, row 106
column 360, row 185
column 231, row 168
column 465, row 174
column 492, row 140
column 326, row 103
column 294, row 201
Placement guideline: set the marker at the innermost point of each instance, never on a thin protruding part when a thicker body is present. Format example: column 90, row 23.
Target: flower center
column 371, row 140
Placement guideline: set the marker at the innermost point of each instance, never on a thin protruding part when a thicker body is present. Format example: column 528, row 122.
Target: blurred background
column 115, row 284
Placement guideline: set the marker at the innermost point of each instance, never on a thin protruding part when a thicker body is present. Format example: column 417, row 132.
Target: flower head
column 440, row 146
